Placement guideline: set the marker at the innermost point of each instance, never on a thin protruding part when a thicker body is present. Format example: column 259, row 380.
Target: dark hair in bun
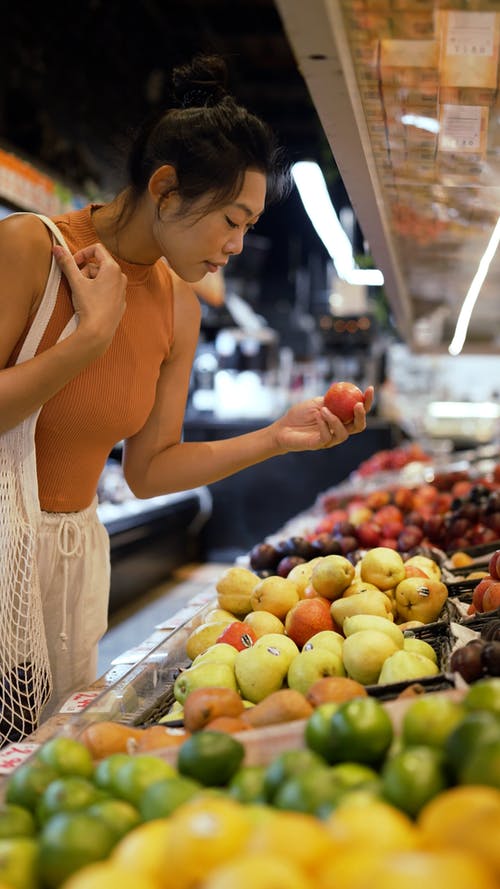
column 209, row 139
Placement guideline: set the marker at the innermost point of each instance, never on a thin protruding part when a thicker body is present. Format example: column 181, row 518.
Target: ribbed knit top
column 111, row 399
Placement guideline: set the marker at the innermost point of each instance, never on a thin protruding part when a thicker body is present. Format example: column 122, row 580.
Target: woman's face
column 196, row 244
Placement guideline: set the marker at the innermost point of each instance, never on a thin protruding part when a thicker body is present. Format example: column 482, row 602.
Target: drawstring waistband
column 69, row 545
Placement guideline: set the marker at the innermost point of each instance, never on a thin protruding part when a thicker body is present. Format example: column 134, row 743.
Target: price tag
column 460, row 128
column 14, row 755
column 79, row 701
column 470, row 33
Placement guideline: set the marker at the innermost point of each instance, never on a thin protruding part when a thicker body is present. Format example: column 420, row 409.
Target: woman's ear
column 163, row 181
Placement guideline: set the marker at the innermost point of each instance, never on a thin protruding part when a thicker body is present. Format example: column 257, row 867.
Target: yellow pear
column 202, row 637
column 234, row 589
column 371, row 602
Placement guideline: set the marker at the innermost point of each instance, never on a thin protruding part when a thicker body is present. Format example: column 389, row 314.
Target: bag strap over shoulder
column 48, row 302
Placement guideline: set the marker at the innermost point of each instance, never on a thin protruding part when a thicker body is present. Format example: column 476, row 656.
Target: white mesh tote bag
column 25, row 680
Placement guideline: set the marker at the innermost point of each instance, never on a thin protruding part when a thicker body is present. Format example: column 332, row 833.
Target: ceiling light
column 472, row 294
column 314, row 194
column 422, row 123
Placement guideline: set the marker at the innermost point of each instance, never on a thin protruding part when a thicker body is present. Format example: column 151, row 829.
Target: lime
column 353, row 775
column 287, row 764
column 429, row 720
column 16, row 821
column 483, row 766
column 248, row 785
column 19, row 862
column 118, row 814
column 317, row 729
column 360, row 731
column 212, row 758
column 412, row 777
column 106, row 769
column 315, row 792
column 69, row 841
column 131, row 779
column 484, row 695
column 163, row 797
column 67, row 756
column 66, row 794
column 26, row 784
column 477, row 728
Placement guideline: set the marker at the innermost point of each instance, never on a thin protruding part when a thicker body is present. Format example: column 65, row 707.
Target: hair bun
column 201, row 82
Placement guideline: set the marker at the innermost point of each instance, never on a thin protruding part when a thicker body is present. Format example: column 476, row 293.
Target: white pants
column 74, row 572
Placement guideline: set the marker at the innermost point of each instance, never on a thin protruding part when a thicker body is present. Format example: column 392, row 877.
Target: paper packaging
column 412, row 64
column 469, row 43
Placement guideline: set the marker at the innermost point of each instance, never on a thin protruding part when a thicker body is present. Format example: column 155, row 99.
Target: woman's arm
column 98, row 293
column 156, row 461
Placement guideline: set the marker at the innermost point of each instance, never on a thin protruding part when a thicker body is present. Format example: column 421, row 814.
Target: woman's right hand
column 98, row 288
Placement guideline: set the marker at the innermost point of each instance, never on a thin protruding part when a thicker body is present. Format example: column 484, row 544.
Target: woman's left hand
column 309, row 425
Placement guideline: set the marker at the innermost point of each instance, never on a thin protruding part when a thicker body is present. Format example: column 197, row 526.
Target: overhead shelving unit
column 406, row 91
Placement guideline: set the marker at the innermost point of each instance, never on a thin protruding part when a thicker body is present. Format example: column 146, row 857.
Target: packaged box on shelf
column 469, row 48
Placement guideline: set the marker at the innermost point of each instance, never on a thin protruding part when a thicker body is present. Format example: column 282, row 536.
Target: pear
column 278, row 640
column 260, row 670
column 301, row 574
column 326, row 639
column 382, row 566
column 218, row 615
column 369, row 602
column 202, row 676
column 411, row 643
column 234, row 589
column 427, row 565
column 365, row 653
column 218, row 653
column 405, row 666
column 275, row 594
column 332, row 576
column 358, row 622
column 313, row 664
column 202, row 637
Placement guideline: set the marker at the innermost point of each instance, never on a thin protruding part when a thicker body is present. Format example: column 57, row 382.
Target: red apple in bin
column 479, row 591
column 238, row 634
column 494, row 565
column 340, row 399
column 491, row 598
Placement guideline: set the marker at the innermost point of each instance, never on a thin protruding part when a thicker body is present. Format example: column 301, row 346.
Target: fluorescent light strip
column 472, row 294
column 314, row 194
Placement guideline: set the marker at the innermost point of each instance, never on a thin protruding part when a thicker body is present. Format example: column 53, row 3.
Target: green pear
column 411, row 643
column 310, row 665
column 358, row 622
column 369, row 602
column 326, row 639
column 403, row 666
column 278, row 640
column 364, row 654
column 203, row 676
column 218, row 653
column 260, row 670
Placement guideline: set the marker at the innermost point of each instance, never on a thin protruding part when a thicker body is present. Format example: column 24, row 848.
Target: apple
column 275, row 594
column 340, row 399
column 382, row 566
column 306, row 618
column 332, row 576
column 262, row 622
column 419, row 598
column 494, row 565
column 479, row 591
column 309, row 666
column 429, row 566
column 491, row 598
column 404, row 666
column 238, row 634
column 364, row 654
column 409, row 537
column 368, row 533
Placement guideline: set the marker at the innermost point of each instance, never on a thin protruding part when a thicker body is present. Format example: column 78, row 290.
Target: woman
column 199, row 178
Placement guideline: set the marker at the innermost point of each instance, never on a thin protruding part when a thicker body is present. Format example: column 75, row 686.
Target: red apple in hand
column 340, row 399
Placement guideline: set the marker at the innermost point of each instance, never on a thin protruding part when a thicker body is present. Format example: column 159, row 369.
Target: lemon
column 107, row 875
column 143, row 851
column 372, row 824
column 295, row 837
column 265, row 871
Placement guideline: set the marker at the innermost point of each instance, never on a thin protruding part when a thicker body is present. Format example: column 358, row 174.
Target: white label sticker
column 14, row 755
column 470, row 33
column 460, row 128
column 79, row 701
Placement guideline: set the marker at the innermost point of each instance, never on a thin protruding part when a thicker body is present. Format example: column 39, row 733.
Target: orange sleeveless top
column 112, row 398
